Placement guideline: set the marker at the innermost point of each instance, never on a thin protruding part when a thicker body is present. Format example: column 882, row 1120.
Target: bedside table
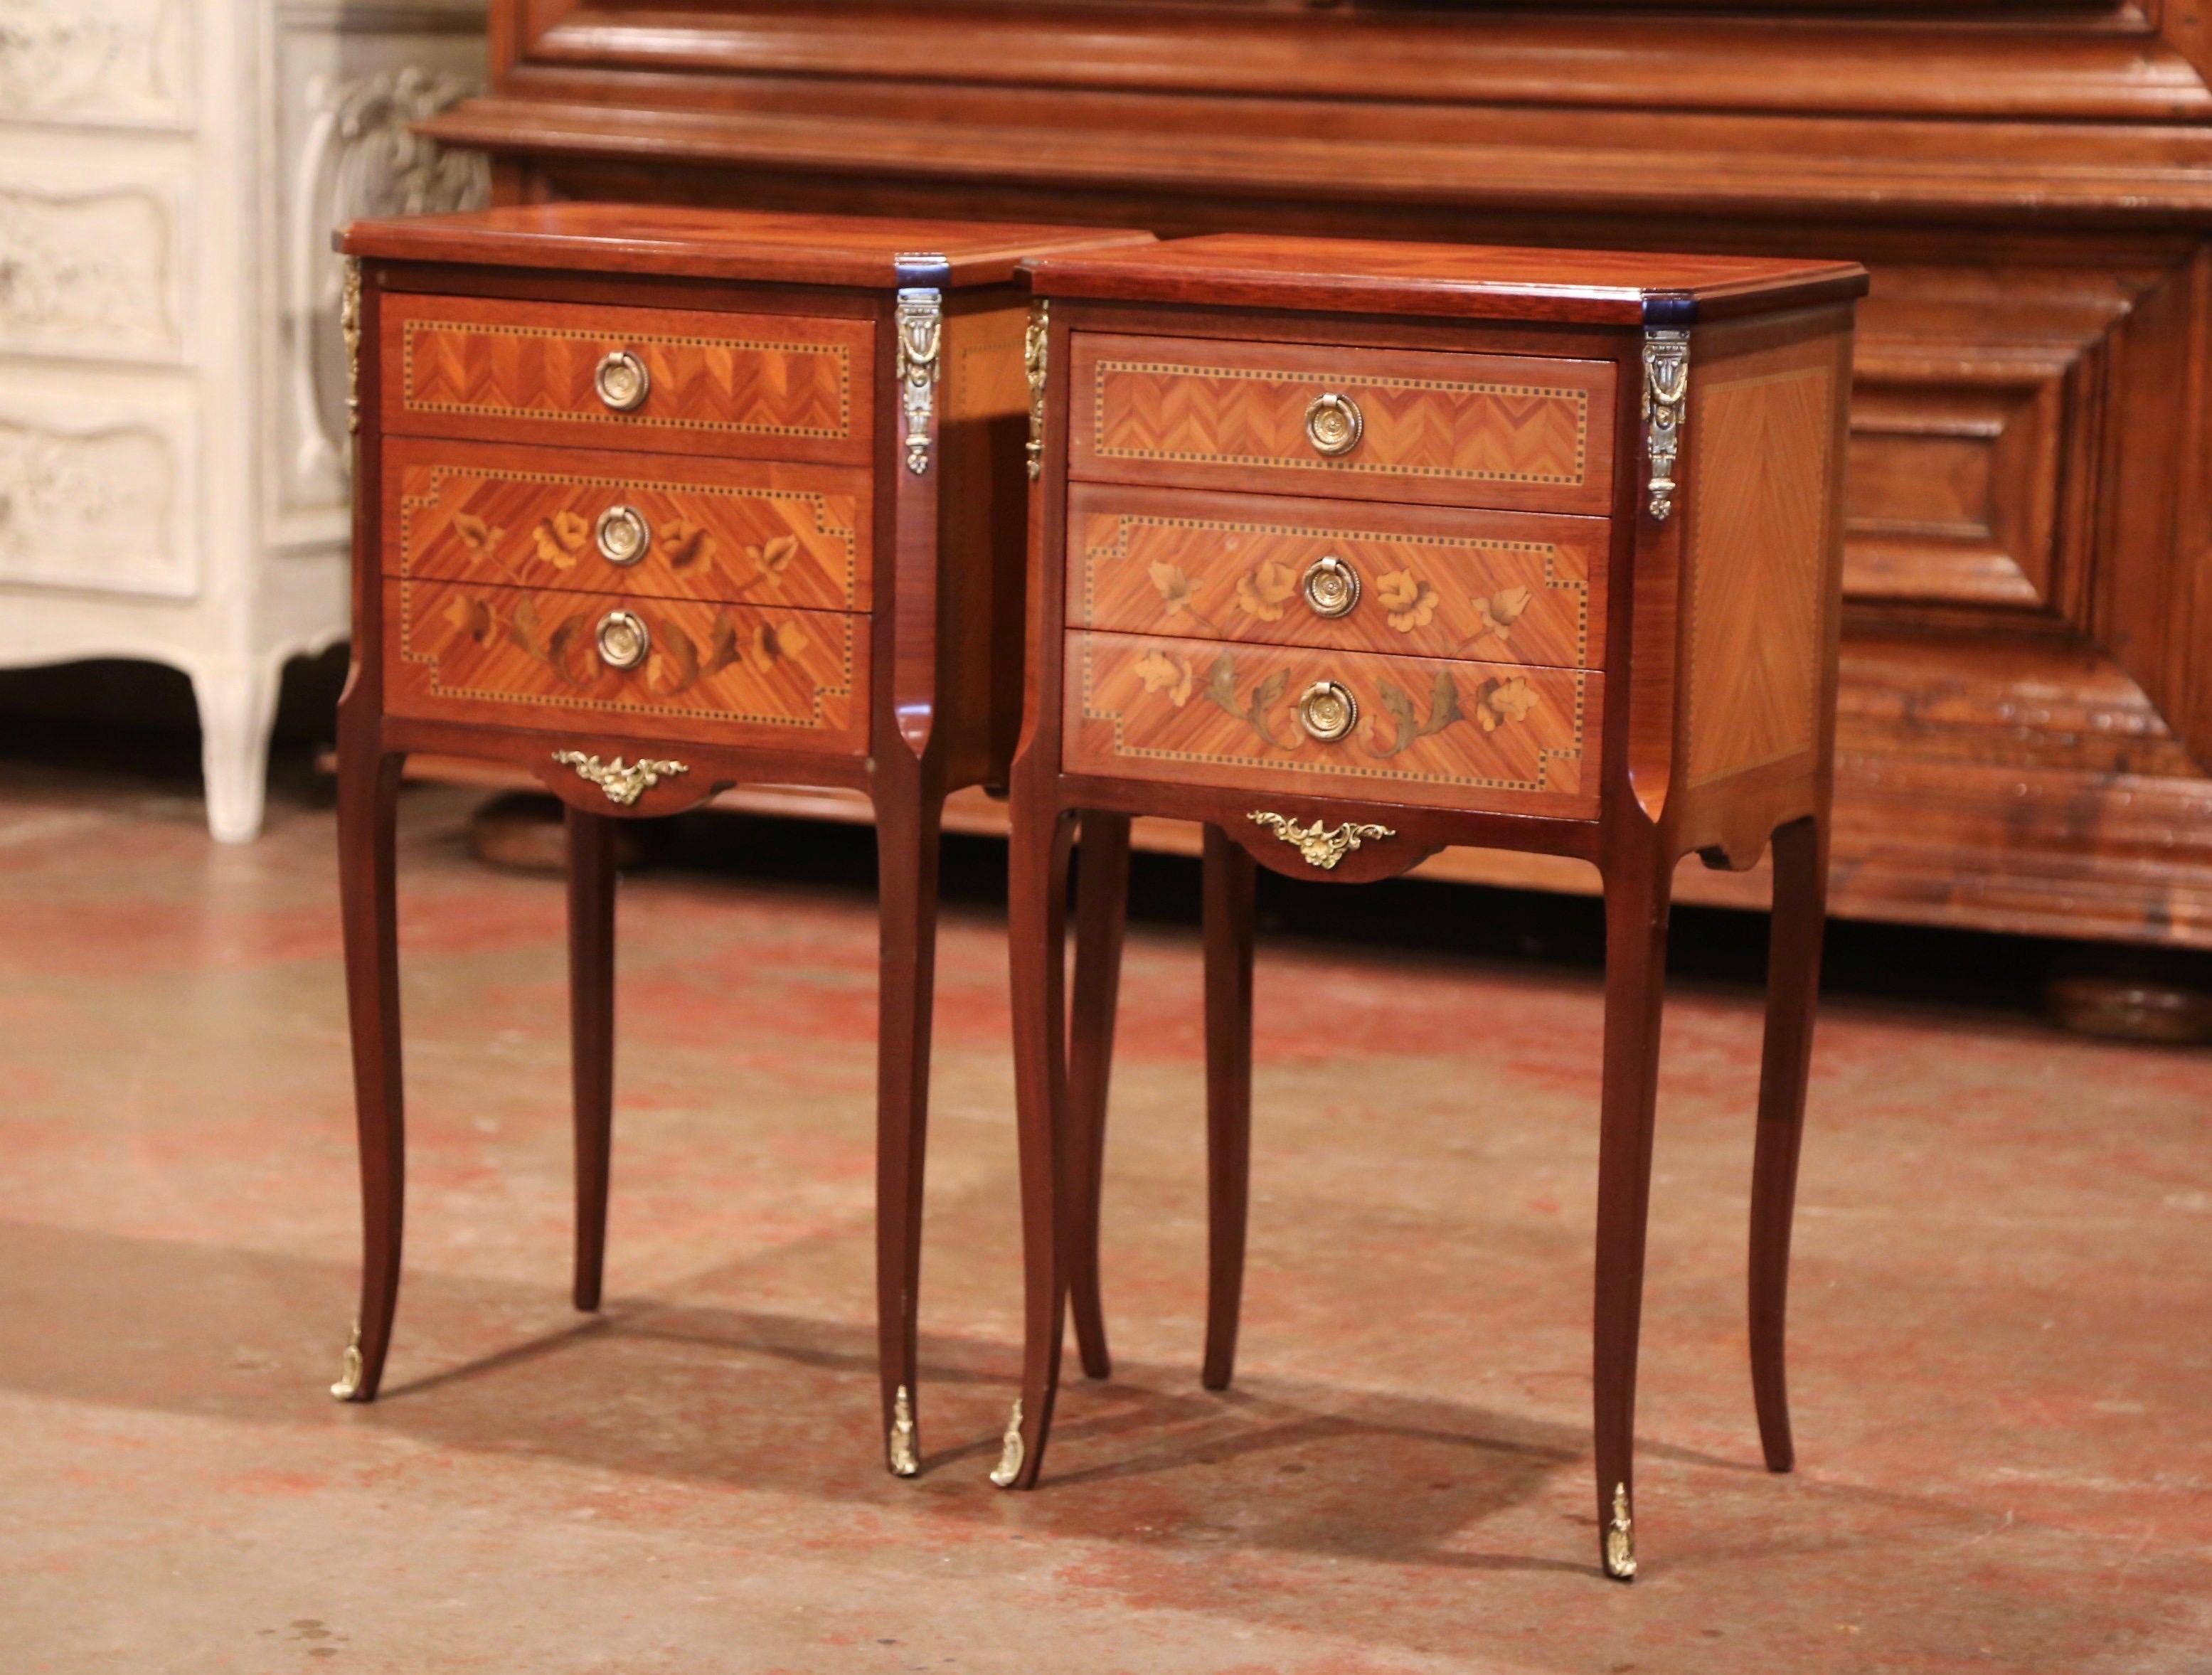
column 656, row 501
column 1353, row 551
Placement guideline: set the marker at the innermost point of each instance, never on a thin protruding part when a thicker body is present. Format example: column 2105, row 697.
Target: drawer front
column 735, row 532
column 1480, row 735
column 770, row 386
column 711, row 674
column 1491, row 430
column 1511, row 587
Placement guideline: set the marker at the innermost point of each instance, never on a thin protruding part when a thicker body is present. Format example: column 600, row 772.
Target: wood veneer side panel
column 982, row 523
column 1757, row 540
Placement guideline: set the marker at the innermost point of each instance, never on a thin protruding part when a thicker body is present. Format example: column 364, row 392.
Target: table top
column 692, row 242
column 1589, row 286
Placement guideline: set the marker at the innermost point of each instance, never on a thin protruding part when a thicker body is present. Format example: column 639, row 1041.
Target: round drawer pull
column 1334, row 424
column 622, row 380
column 624, row 641
column 1331, row 587
column 1327, row 712
column 623, row 535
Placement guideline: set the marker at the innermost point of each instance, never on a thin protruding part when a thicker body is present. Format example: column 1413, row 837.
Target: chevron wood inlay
column 716, row 674
column 751, row 532
column 1462, row 735
column 1756, row 554
column 762, row 385
column 1451, row 428
column 1512, row 587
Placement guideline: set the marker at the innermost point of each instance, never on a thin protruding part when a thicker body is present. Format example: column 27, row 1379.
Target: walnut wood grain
column 774, row 387
column 1507, row 587
column 526, row 658
column 1464, row 735
column 1453, row 429
column 733, row 532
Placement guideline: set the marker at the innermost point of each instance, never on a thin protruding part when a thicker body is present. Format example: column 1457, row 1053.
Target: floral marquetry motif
column 1425, row 730
column 772, row 535
column 1524, row 596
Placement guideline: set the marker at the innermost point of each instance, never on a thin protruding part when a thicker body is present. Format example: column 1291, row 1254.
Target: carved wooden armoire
column 172, row 427
column 2024, row 740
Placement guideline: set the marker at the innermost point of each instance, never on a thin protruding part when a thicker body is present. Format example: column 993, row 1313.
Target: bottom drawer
column 1491, row 736
column 708, row 674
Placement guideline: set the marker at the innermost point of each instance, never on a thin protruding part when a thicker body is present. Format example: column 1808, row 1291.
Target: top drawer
column 1444, row 430
column 763, row 387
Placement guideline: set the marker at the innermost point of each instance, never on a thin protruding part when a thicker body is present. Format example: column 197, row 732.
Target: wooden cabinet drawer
column 770, row 386
column 738, row 531
column 1443, row 429
column 1462, row 735
column 1512, row 587
column 714, row 674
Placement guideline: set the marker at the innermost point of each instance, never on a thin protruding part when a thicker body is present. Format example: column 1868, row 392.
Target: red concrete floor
column 2002, row 1371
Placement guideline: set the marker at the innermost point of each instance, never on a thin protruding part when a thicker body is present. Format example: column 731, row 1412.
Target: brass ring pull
column 1328, row 711
column 1331, row 587
column 622, row 639
column 623, row 535
column 622, row 380
column 1334, row 424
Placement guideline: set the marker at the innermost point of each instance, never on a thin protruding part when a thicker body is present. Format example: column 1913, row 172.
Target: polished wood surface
column 1504, row 587
column 728, row 531
column 766, row 386
column 527, row 658
column 2025, row 738
column 1455, row 281
column 827, row 579
column 673, row 240
column 1450, row 734
column 1705, row 722
column 1454, row 429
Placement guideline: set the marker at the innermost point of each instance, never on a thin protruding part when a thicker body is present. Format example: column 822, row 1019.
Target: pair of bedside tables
column 1347, row 551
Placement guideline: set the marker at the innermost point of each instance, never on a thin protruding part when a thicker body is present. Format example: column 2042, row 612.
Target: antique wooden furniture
column 2024, row 736
column 658, row 502
column 1354, row 551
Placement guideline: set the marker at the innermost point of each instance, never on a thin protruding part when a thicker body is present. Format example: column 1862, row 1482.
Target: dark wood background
column 2027, row 701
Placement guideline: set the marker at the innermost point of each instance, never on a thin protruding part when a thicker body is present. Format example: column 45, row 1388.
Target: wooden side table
column 1353, row 551
column 655, row 500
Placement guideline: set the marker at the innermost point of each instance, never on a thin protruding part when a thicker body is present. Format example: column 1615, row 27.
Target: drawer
column 1458, row 735
column 768, row 386
column 1511, row 587
column 735, row 532
column 711, row 674
column 1451, row 430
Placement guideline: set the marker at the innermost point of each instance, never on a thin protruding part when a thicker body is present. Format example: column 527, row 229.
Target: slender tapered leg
column 1102, row 903
column 1636, row 891
column 909, row 809
column 1037, row 934
column 1793, row 988
column 368, row 796
column 1228, row 886
column 591, row 1036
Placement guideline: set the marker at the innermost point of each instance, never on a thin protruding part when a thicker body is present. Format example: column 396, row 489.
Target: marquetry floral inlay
column 1265, row 592
column 560, row 539
column 1399, row 722
column 1408, row 601
column 677, row 663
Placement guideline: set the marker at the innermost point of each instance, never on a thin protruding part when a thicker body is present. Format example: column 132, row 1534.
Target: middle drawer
column 732, row 531
column 1336, row 575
